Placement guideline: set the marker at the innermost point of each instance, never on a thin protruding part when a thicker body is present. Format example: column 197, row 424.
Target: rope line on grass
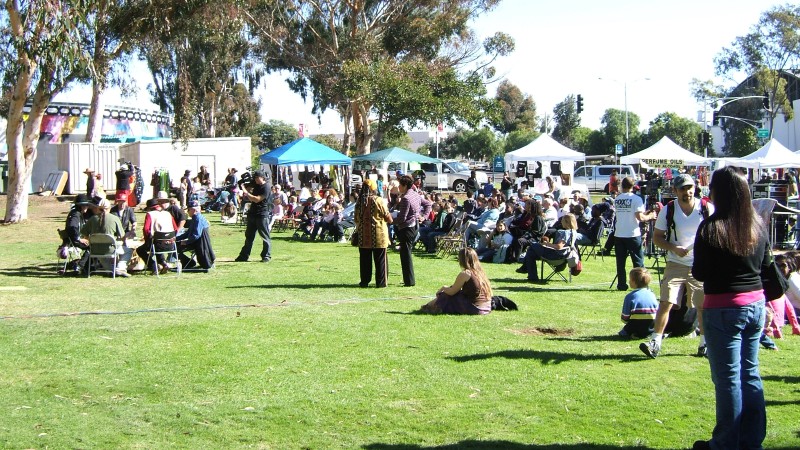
column 194, row 308
column 213, row 307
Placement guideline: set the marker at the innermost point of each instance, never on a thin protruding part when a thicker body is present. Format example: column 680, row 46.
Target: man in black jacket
column 258, row 217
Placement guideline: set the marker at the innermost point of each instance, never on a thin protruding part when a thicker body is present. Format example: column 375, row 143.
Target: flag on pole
column 300, row 131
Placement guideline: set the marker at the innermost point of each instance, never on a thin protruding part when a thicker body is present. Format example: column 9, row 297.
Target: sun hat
column 88, row 171
column 162, row 197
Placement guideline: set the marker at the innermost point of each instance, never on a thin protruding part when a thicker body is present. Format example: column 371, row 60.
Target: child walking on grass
column 640, row 305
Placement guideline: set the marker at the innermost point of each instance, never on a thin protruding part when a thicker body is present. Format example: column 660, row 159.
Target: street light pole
column 625, row 92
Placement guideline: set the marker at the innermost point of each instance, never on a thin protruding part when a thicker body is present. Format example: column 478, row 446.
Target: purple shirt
column 410, row 205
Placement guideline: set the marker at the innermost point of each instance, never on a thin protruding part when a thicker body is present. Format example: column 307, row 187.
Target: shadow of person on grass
column 33, row 272
column 546, row 357
column 783, row 378
column 505, row 445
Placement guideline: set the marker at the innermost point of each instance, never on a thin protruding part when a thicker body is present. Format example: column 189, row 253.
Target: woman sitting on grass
column 469, row 294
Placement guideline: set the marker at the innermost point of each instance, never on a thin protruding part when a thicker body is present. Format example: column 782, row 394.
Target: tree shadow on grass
column 546, row 357
column 32, row 272
column 506, row 445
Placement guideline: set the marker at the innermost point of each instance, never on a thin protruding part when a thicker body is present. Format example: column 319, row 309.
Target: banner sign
column 663, row 162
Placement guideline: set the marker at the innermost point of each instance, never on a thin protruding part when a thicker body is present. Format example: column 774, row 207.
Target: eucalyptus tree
column 42, row 52
column 406, row 62
column 515, row 110
column 567, row 121
column 197, row 59
column 771, row 47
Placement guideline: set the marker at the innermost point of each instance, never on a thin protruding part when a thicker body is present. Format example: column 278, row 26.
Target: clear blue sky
column 563, row 48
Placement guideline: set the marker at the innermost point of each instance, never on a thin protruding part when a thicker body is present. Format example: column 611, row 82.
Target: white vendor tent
column 544, row 148
column 771, row 156
column 665, row 153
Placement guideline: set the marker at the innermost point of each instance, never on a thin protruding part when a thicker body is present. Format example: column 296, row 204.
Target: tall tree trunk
column 94, row 129
column 21, row 138
column 362, row 128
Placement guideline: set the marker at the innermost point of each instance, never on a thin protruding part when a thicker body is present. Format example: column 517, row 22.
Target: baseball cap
column 683, row 180
column 259, row 173
column 193, row 204
column 121, row 197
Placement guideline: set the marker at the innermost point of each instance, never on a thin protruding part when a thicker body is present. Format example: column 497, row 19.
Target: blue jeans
column 622, row 248
column 732, row 336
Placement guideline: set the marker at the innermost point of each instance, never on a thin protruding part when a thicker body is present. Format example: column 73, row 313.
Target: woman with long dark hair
column 731, row 251
column 470, row 293
column 372, row 236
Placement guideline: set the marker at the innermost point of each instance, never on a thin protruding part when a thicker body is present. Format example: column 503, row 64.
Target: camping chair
column 593, row 248
column 165, row 240
column 102, row 247
column 70, row 252
column 557, row 267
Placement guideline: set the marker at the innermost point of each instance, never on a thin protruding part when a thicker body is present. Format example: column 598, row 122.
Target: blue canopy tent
column 396, row 154
column 306, row 152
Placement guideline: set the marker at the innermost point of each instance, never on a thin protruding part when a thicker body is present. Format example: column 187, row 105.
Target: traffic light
column 579, row 103
column 715, row 121
column 766, row 101
column 703, row 138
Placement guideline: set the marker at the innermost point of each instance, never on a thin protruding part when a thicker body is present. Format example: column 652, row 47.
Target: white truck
column 457, row 174
column 596, row 177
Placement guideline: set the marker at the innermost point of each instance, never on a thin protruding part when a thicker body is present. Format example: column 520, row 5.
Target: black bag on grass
column 503, row 303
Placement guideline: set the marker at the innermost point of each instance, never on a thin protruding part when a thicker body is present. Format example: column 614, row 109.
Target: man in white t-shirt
column 627, row 236
column 550, row 212
column 675, row 231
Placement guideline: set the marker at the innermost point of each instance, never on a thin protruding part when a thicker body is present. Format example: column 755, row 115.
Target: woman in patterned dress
column 371, row 218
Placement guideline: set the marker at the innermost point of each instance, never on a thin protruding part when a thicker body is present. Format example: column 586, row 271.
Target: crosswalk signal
column 579, row 103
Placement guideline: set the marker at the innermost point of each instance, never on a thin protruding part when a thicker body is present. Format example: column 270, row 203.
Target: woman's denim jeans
column 732, row 336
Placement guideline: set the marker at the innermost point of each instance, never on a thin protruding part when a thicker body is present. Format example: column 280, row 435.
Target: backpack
column 671, row 215
column 681, row 320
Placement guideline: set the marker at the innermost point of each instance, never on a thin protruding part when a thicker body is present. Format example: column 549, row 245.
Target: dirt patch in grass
column 544, row 331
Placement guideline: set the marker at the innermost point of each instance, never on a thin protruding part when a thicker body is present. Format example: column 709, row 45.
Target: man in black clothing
column 257, row 217
column 124, row 175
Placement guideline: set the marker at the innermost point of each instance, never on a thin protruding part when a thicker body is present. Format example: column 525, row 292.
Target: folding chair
column 557, row 267
column 592, row 249
column 102, row 247
column 165, row 241
column 453, row 241
column 71, row 252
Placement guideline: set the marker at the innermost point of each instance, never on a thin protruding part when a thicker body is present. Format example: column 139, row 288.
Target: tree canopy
column 513, row 109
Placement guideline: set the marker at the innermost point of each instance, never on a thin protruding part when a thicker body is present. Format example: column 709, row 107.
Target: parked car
column 596, row 177
column 456, row 171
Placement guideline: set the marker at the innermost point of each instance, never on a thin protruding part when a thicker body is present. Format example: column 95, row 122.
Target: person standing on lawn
column 412, row 207
column 731, row 257
column 627, row 235
column 257, row 217
column 675, row 230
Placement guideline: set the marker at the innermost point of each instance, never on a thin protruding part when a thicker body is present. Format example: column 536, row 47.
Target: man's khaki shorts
column 678, row 277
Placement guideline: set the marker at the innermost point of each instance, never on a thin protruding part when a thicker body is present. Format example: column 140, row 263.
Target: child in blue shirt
column 640, row 305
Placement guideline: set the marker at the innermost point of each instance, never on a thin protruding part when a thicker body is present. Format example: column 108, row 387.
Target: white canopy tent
column 665, row 153
column 543, row 149
column 773, row 155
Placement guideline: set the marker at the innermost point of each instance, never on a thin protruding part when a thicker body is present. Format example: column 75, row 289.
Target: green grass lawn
column 293, row 355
